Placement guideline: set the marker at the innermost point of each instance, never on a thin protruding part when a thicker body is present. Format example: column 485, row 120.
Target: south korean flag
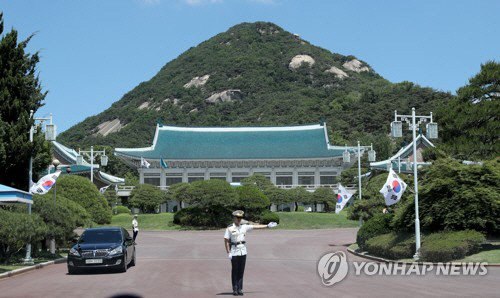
column 342, row 198
column 393, row 188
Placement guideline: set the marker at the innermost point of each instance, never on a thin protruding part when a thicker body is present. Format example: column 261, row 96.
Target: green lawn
column 310, row 220
column 288, row 221
column 161, row 221
column 490, row 254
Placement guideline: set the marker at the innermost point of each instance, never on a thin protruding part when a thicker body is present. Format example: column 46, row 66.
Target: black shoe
column 235, row 291
column 240, row 292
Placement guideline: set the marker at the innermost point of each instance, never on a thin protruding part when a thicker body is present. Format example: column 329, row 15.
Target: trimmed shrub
column 448, row 246
column 377, row 225
column 62, row 217
column 268, row 216
column 17, row 229
column 82, row 191
column 300, row 209
column 198, row 217
column 147, row 197
column 120, row 210
column 251, row 200
column 391, row 245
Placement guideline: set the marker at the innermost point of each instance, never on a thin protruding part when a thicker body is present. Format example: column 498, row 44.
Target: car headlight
column 74, row 252
column 117, row 250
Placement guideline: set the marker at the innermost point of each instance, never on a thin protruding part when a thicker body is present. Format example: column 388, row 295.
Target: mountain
column 257, row 74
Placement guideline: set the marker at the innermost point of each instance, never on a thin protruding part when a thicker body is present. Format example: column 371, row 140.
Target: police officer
column 234, row 242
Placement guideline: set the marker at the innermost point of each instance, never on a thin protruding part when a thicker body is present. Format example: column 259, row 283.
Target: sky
column 93, row 52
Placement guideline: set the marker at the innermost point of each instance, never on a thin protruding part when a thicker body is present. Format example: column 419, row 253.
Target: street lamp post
column 371, row 157
column 432, row 133
column 92, row 154
column 55, row 163
column 50, row 135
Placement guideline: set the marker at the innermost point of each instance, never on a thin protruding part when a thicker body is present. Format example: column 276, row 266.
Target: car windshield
column 101, row 236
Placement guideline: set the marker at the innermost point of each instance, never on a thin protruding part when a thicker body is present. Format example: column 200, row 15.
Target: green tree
column 85, row 193
column 180, row 192
column 260, row 181
column 61, row 216
column 20, row 92
column 470, row 123
column 17, row 229
column 147, row 197
column 454, row 196
column 299, row 195
column 212, row 193
column 251, row 200
column 278, row 196
column 325, row 196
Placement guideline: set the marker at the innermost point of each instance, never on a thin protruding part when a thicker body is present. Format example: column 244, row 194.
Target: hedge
column 199, row 217
column 447, row 246
column 121, row 209
column 268, row 216
column 391, row 245
column 377, row 225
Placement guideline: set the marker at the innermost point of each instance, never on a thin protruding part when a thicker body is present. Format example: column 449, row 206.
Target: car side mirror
column 128, row 238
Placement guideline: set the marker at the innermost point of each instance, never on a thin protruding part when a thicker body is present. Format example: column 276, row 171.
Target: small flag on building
column 103, row 189
column 163, row 164
column 393, row 188
column 144, row 163
column 45, row 183
column 343, row 197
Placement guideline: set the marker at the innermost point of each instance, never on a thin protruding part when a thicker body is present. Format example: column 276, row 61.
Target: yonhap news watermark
column 333, row 267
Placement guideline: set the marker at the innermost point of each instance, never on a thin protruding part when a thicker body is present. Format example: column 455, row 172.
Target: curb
column 30, row 268
column 378, row 259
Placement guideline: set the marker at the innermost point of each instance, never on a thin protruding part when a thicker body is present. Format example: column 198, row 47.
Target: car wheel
column 124, row 264
column 72, row 270
column 132, row 262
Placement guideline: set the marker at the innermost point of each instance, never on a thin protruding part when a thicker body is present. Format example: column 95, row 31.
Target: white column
column 163, row 183
column 295, row 177
column 273, row 176
column 316, row 177
column 141, row 176
column 184, row 175
column 229, row 175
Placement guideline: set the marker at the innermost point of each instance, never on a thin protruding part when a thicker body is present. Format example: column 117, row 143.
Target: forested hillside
column 258, row 74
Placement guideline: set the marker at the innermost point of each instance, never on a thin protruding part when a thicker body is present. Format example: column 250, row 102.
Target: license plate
column 93, row 261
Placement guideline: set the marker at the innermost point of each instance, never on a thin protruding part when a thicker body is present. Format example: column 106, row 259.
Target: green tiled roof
column 237, row 143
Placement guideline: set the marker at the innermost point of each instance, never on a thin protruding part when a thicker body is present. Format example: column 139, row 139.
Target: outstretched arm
column 269, row 225
column 227, row 245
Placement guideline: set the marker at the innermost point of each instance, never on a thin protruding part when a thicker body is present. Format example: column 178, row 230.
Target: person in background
column 135, row 227
column 234, row 242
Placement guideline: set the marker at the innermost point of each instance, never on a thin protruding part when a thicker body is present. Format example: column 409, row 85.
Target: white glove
column 229, row 256
column 272, row 224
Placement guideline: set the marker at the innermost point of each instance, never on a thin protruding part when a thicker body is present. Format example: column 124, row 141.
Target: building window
column 284, row 180
column 192, row 179
column 173, row 180
column 220, row 178
column 153, row 181
column 327, row 180
column 306, row 180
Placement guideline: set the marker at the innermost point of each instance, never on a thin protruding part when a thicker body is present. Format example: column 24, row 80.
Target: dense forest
column 256, row 74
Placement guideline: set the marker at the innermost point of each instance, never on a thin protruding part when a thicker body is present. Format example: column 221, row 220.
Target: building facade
column 289, row 156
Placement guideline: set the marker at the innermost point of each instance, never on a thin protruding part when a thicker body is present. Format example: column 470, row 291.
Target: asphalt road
column 280, row 264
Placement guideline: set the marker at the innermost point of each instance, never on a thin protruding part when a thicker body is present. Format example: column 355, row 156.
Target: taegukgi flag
column 103, row 189
column 45, row 183
column 342, row 198
column 144, row 163
column 393, row 188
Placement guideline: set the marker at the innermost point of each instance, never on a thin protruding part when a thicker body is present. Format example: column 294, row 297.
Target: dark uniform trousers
column 237, row 270
column 135, row 234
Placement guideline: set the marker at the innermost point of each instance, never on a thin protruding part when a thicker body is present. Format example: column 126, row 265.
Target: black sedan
column 102, row 248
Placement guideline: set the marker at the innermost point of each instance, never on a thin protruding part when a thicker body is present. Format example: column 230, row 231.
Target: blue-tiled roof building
column 287, row 155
